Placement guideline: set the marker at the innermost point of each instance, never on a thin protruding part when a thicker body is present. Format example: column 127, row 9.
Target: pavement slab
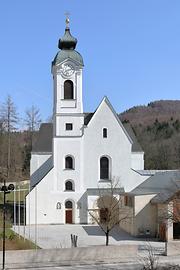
column 59, row 236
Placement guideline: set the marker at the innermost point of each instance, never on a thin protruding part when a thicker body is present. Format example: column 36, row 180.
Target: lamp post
column 6, row 190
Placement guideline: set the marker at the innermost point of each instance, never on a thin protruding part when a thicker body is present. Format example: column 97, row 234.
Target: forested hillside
column 157, row 127
column 16, row 144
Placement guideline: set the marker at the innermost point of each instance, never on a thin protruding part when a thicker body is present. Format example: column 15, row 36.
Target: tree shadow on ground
column 117, row 233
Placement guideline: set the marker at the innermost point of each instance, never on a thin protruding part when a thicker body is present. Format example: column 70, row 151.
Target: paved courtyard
column 59, row 236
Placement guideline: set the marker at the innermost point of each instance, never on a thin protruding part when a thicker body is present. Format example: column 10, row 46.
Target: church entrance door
column 69, row 212
column 69, row 216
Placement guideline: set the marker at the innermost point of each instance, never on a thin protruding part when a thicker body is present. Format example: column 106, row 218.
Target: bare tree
column 150, row 260
column 49, row 119
column 168, row 208
column 33, row 119
column 171, row 198
column 9, row 120
column 110, row 210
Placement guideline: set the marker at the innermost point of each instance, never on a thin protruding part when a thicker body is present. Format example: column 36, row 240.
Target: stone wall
column 69, row 254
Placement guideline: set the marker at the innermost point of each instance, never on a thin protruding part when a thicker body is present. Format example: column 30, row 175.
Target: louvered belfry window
column 68, row 89
column 104, row 168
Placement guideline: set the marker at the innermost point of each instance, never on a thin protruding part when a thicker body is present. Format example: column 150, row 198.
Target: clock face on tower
column 67, row 70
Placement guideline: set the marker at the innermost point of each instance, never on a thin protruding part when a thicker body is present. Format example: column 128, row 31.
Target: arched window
column 104, row 132
column 104, row 168
column 68, row 89
column 69, row 164
column 68, row 205
column 69, row 185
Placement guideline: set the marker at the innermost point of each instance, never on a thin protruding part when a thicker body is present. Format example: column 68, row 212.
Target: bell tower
column 67, row 69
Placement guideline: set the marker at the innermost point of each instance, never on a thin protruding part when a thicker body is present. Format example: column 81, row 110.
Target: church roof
column 43, row 143
column 67, row 54
column 162, row 183
column 41, row 172
column 136, row 147
column 87, row 118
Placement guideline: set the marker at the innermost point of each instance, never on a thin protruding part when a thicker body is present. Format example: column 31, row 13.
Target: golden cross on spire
column 67, row 19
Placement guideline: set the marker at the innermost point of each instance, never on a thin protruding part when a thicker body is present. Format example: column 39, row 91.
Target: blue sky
column 131, row 50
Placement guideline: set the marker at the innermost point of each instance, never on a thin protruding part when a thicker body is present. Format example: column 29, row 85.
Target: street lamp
column 6, row 190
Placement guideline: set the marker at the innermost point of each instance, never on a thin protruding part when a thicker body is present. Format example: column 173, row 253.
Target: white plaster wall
column 37, row 160
column 117, row 146
column 77, row 122
column 145, row 215
column 42, row 200
column 137, row 160
column 62, row 148
column 38, row 202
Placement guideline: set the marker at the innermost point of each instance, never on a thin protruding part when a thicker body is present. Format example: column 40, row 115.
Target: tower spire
column 67, row 42
column 67, row 20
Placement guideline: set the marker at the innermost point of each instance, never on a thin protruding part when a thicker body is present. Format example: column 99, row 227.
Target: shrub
column 9, row 234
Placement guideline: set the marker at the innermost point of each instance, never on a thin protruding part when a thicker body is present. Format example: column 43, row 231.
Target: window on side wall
column 104, row 132
column 104, row 168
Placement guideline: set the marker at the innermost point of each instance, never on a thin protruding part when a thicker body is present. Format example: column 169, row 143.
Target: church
column 80, row 153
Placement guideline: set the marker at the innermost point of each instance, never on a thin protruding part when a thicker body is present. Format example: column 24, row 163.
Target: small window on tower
column 69, row 162
column 69, row 126
column 104, row 132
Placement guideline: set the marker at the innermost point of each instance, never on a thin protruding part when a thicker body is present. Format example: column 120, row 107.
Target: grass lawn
column 14, row 242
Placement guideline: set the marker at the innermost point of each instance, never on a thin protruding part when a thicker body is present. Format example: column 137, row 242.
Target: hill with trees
column 157, row 127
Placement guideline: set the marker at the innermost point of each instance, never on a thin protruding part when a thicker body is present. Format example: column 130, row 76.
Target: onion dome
column 67, row 42
column 67, row 45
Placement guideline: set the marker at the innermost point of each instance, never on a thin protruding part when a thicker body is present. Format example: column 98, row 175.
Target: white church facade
column 79, row 153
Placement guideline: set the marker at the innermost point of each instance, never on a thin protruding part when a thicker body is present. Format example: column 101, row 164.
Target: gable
column 105, row 115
